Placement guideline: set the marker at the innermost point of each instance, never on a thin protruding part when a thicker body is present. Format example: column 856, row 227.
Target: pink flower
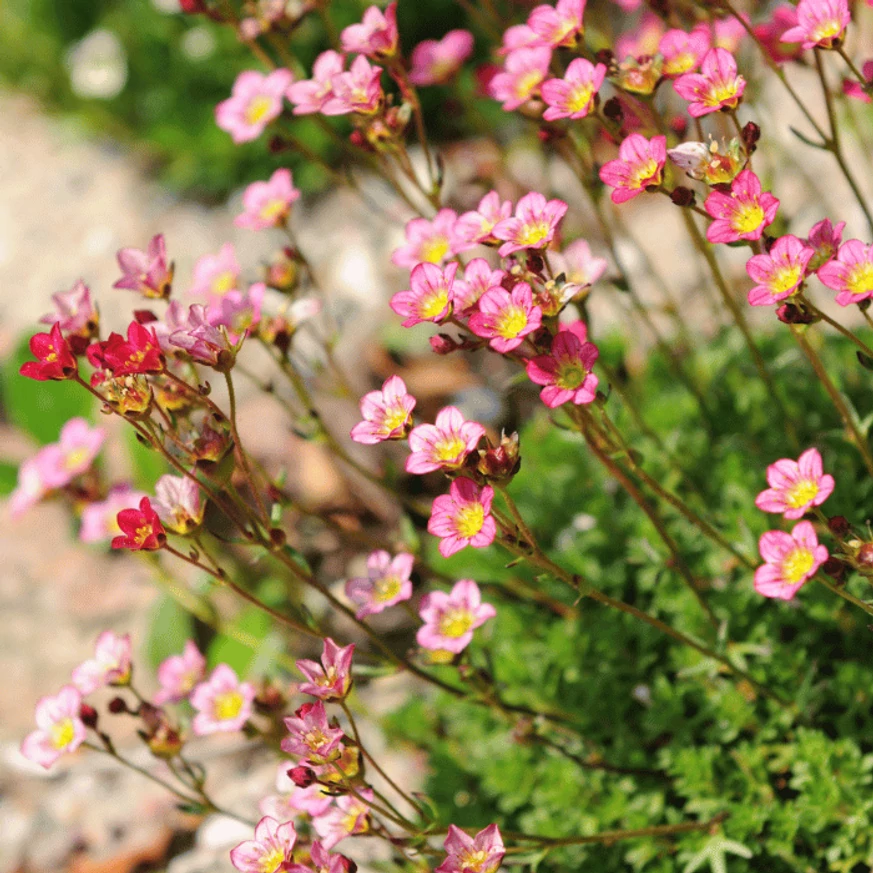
column 387, row 413
column 533, row 225
column 178, row 674
column 577, row 264
column 59, row 728
column 480, row 854
column 796, row 486
column 566, row 372
column 216, row 275
column 791, row 560
column 742, row 214
column 505, row 318
column 73, row 454
column 558, row 25
column 358, row 90
column 516, row 37
column 202, row 341
column 178, row 504
column 175, row 318
column 682, row 51
column 376, row 36
column 478, row 278
column 450, row 619
column 314, row 800
column 31, row 487
column 99, row 519
column 573, row 96
column 386, row 583
column 146, row 271
column 238, row 312
column 435, row 62
column 770, row 34
column 429, row 297
column 477, row 226
column 851, row 273
column 111, row 664
column 716, row 86
column 267, row 204
column 443, row 445
column 780, row 272
column 323, row 861
column 141, row 529
column 269, row 852
column 332, row 678
column 463, row 517
column 223, row 703
column 349, row 816
column 854, row 89
column 640, row 164
column 311, row 736
column 310, row 95
column 75, row 312
column 825, row 238
column 641, row 41
column 255, row 100
column 523, row 71
column 819, row 23
column 428, row 241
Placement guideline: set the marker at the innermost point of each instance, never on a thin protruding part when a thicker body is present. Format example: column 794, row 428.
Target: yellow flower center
column 76, row 458
column 472, row 860
column 801, row 493
column 273, row 210
column 797, row 565
column 533, row 233
column 646, row 173
column 394, row 418
column 386, row 588
column 748, row 217
column 449, row 449
column 525, row 84
column 62, row 733
column 785, row 279
column 258, row 109
column 223, row 283
column 270, row 861
column 680, row 63
column 469, row 520
column 570, row 376
column 860, row 279
column 511, row 322
column 579, row 98
column 721, row 94
column 228, row 705
column 434, row 250
column 314, row 739
column 825, row 31
column 434, row 304
column 455, row 623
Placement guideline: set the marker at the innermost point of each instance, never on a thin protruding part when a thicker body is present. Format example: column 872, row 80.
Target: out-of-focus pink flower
column 332, row 678
column 850, row 273
column 641, row 41
column 351, row 815
column 269, row 852
column 387, row 413
column 223, row 703
column 480, row 854
column 428, row 241
column 216, row 275
column 267, row 204
column 256, row 99
column 463, row 517
column 238, row 312
column 566, row 373
column 311, row 736
column 640, row 164
column 429, row 297
column 825, row 238
column 477, row 225
column 780, row 272
column 99, row 519
column 31, row 487
column 523, row 72
column 178, row 674
column 478, row 278
column 505, row 318
column 146, row 271
column 314, row 800
column 387, row 583
column 770, row 34
column 742, row 214
column 717, row 85
column 682, row 51
column 358, row 90
column 75, row 312
column 72, row 455
column 443, row 445
column 796, row 486
column 819, row 23
column 532, row 226
column 854, row 89
column 202, row 341
column 376, row 36
column 516, row 37
column 435, row 62
column 791, row 560
column 322, row 861
column 573, row 95
column 558, row 25
column 450, row 619
column 111, row 664
column 577, row 263
column 310, row 95
column 59, row 728
column 178, row 503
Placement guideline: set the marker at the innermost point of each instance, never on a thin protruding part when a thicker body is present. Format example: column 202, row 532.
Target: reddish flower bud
column 864, row 557
column 443, row 344
column 302, row 777
column 838, row 525
column 612, row 109
column 791, row 313
column 682, row 196
column 55, row 359
column 751, row 135
column 117, row 706
column 192, row 7
column 88, row 715
column 834, row 567
column 144, row 316
column 141, row 529
column 500, row 463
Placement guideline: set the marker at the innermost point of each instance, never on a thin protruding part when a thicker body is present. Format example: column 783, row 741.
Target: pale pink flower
column 728, row 32
column 322, row 861
column 387, row 413
column 59, row 728
column 477, row 225
column 717, row 85
column 791, row 560
column 505, row 318
column 573, row 96
column 780, row 272
column 111, row 664
column 178, row 503
column 516, row 37
column 533, row 226
column 74, row 311
column 682, row 51
column 558, row 25
column 819, row 23
column 351, row 815
column 332, row 678
column 99, row 519
column 742, row 214
column 463, row 517
column 450, row 619
column 641, row 41
column 480, row 854
column 428, row 241
column 523, row 72
column 237, row 311
column 796, row 486
column 201, row 340
column 566, row 373
column 387, row 583
column 314, row 800
column 73, row 453
column 825, row 238
column 640, row 164
column 146, row 271
column 311, row 736
column 850, row 273
column 310, row 95
column 577, row 263
column 32, row 485
column 435, row 62
column 256, row 99
column 216, row 275
column 376, row 36
column 269, row 852
column 429, row 297
column 267, row 204
column 443, row 445
column 178, row 674
column 175, row 318
column 223, row 702
column 478, row 278
column 358, row 90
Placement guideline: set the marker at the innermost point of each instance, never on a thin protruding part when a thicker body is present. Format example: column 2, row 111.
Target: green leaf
column 8, row 477
column 169, row 627
column 147, row 464
column 226, row 650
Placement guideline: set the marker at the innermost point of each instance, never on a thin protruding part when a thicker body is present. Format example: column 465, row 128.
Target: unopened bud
column 501, row 462
column 835, row 568
column 443, row 344
column 88, row 715
column 302, row 777
column 838, row 525
column 791, row 313
column 751, row 135
column 612, row 109
column 682, row 196
column 864, row 557
column 117, row 705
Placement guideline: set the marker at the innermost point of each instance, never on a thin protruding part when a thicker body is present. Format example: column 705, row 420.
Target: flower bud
column 751, row 135
column 864, row 557
column 612, row 109
column 835, row 568
column 88, row 715
column 682, row 196
column 791, row 313
column 117, row 706
column 501, row 462
column 443, row 344
column 838, row 525
column 302, row 777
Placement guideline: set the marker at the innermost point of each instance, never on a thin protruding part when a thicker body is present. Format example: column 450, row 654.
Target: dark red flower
column 141, row 529
column 55, row 358
column 139, row 353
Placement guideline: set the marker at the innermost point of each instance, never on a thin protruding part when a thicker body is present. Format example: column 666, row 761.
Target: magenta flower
column 223, row 702
column 450, row 619
column 717, row 85
column 566, row 371
column 533, row 226
column 577, row 264
column 573, row 96
column 311, row 736
column 75, row 312
column 99, row 519
column 506, row 318
column 73, row 453
column 516, row 37
column 428, row 241
column 255, row 100
column 59, row 728
column 202, row 341
column 443, row 445
column 523, row 71
column 796, row 486
column 239, row 312
column 387, row 414
column 819, row 23
column 178, row 503
column 791, row 560
column 146, row 271
column 323, row 861
column 435, row 62
column 376, row 36
column 478, row 278
column 463, row 517
column 358, row 90
column 558, row 25
column 267, row 204
column 178, row 674
column 429, row 297
column 851, row 273
column 310, row 95
column 780, row 272
column 269, row 852
column 854, row 89
column 682, row 51
column 825, row 238
column 639, row 165
column 386, row 583
column 742, row 214
column 216, row 275
column 480, row 854
column 477, row 226
column 111, row 664
column 351, row 815
column 332, row 678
